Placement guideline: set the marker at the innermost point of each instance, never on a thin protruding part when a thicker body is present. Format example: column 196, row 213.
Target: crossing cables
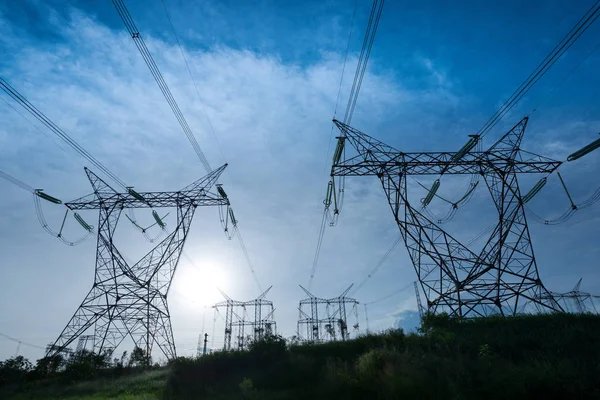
column 369, row 38
column 22, row 101
column 152, row 65
column 155, row 71
column 565, row 44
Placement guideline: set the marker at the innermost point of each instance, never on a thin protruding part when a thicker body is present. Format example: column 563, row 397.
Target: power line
column 21, row 342
column 571, row 37
column 345, row 59
column 379, row 264
column 318, row 250
column 395, row 292
column 248, row 261
column 15, row 95
column 565, row 78
column 189, row 67
column 341, row 82
column 361, row 66
column 188, row 64
column 16, row 182
column 363, row 59
column 141, row 45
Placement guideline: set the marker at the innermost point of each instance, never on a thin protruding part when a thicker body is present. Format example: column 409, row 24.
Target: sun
column 199, row 285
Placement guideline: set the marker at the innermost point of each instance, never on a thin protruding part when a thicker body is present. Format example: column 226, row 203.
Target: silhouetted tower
column 576, row 300
column 503, row 278
column 327, row 318
column 419, row 304
column 131, row 300
column 236, row 318
column 84, row 342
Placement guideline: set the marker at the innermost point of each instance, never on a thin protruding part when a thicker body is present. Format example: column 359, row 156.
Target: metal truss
column 82, row 344
column 236, row 317
column 327, row 319
column 131, row 300
column 575, row 300
column 501, row 279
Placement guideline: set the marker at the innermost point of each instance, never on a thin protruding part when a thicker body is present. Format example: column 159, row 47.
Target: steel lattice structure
column 131, row 300
column 576, row 298
column 501, row 279
column 327, row 319
column 236, row 317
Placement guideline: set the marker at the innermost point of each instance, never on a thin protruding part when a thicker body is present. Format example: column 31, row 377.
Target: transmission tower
column 503, row 278
column 131, row 300
column 575, row 300
column 327, row 319
column 82, row 344
column 419, row 304
column 237, row 318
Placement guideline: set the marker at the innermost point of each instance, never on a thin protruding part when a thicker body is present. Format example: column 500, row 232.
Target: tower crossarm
column 438, row 163
column 152, row 200
column 197, row 194
column 376, row 158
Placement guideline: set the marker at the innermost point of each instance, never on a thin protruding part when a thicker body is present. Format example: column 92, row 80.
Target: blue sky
column 268, row 73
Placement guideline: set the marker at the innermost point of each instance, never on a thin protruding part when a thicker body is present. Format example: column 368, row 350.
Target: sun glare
column 199, row 284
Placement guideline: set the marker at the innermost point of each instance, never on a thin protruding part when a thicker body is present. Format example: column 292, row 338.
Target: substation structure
column 503, row 277
column 576, row 301
column 323, row 320
column 131, row 300
column 237, row 317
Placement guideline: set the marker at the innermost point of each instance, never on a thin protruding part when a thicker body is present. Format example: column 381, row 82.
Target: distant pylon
column 236, row 317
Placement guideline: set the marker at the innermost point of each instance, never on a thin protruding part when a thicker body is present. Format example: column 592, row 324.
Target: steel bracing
column 237, row 318
column 131, row 300
column 500, row 279
column 327, row 319
column 576, row 301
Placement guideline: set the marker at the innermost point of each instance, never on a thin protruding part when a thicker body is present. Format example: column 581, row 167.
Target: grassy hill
column 544, row 356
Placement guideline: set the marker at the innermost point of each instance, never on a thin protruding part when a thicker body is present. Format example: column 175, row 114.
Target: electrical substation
column 241, row 328
column 326, row 319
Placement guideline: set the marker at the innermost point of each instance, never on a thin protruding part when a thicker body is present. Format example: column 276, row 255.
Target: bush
column 14, row 370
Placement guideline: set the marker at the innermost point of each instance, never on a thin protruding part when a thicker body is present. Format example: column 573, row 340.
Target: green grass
column 143, row 386
column 544, row 356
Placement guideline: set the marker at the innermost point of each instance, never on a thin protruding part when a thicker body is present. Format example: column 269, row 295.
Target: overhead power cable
column 363, row 59
column 190, row 66
column 361, row 66
column 21, row 342
column 337, row 100
column 318, row 250
column 15, row 95
column 571, row 72
column 16, row 182
column 379, row 264
column 565, row 44
column 37, row 194
column 395, row 292
column 154, row 70
column 158, row 77
column 248, row 261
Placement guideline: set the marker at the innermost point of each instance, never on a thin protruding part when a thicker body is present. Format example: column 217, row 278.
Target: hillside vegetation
column 543, row 356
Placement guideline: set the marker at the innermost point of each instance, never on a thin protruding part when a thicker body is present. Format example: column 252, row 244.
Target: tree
column 139, row 358
column 14, row 369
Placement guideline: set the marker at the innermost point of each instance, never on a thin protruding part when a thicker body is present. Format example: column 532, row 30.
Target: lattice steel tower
column 131, row 300
column 327, row 319
column 503, row 278
column 236, row 317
